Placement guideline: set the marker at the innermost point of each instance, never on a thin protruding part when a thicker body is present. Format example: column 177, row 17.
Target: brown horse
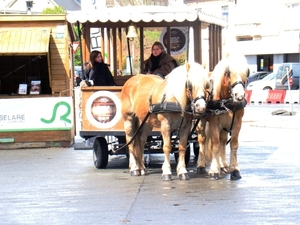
column 185, row 87
column 225, row 110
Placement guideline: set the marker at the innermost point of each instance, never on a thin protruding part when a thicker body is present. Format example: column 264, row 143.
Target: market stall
column 36, row 81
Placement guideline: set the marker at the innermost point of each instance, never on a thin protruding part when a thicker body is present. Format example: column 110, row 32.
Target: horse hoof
column 166, row 177
column 235, row 175
column 214, row 176
column 224, row 170
column 201, row 170
column 184, row 176
column 135, row 173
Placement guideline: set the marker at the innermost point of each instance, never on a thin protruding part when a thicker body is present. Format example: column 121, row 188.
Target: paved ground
column 62, row 186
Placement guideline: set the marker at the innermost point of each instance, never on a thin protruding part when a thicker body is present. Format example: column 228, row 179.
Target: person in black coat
column 101, row 75
column 159, row 62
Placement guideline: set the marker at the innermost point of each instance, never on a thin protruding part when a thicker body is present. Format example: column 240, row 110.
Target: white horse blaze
column 238, row 93
column 200, row 106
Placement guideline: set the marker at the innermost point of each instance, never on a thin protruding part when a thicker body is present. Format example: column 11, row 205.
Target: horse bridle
column 227, row 74
column 190, row 96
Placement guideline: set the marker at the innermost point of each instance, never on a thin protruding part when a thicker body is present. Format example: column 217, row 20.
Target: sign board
column 179, row 39
column 36, row 114
column 103, row 109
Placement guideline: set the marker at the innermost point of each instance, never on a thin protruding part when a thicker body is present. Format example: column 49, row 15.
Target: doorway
column 265, row 63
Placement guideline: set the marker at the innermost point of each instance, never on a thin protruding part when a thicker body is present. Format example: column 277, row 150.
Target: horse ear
column 208, row 84
column 227, row 71
column 187, row 65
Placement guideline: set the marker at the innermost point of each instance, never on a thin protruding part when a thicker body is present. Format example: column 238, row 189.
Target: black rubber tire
column 186, row 157
column 100, row 153
column 267, row 88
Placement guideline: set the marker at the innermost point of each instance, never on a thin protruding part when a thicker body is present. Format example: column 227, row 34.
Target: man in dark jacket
column 159, row 62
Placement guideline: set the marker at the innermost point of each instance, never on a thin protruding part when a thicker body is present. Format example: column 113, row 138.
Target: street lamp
column 131, row 34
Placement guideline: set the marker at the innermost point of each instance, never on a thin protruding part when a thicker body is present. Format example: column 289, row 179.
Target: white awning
column 137, row 14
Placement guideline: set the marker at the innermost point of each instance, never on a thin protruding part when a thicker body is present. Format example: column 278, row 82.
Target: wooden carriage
column 112, row 24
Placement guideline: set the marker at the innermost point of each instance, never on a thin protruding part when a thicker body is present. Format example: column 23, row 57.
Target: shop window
column 16, row 70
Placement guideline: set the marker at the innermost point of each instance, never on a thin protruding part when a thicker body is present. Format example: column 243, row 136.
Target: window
column 225, row 12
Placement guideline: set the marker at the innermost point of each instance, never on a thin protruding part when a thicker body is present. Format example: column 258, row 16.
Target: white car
column 267, row 83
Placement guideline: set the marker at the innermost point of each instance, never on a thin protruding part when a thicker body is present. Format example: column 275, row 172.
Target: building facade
column 267, row 31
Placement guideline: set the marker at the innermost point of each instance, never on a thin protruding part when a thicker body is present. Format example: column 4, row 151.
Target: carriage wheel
column 100, row 153
column 187, row 155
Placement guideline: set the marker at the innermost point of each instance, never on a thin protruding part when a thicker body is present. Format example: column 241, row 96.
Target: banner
column 34, row 114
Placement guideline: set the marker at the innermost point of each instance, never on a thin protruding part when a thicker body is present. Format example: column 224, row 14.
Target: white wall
column 252, row 62
column 87, row 5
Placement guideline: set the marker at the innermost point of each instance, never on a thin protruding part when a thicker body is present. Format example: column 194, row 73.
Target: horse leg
column 181, row 167
column 143, row 135
column 131, row 124
column 167, row 146
column 214, row 149
column 234, row 144
column 183, row 137
column 224, row 166
column 233, row 167
column 129, row 127
column 201, row 161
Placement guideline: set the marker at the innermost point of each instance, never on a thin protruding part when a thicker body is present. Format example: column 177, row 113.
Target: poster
column 22, row 89
column 35, row 87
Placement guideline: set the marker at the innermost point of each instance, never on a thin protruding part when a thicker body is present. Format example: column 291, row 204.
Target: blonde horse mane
column 234, row 61
column 193, row 73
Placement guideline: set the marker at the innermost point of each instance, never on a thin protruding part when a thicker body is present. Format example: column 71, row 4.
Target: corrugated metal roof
column 146, row 14
column 68, row 4
column 24, row 41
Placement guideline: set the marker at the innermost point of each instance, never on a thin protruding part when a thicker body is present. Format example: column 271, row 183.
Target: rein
column 230, row 129
column 134, row 135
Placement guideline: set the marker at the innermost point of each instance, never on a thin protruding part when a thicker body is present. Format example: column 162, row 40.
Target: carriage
column 101, row 108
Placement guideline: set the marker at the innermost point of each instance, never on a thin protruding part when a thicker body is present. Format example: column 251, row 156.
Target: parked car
column 267, row 83
column 288, row 72
column 257, row 76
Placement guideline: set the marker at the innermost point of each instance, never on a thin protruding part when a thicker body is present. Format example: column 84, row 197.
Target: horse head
column 197, row 86
column 189, row 84
column 236, row 82
column 229, row 78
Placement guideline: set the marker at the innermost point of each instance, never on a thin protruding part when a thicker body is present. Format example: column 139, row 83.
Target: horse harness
column 167, row 107
column 174, row 107
column 217, row 107
column 214, row 107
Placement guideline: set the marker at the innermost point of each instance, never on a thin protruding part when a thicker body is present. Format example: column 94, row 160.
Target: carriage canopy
column 113, row 20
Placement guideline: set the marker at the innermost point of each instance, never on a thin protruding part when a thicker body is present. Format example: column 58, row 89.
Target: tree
column 54, row 10
column 77, row 56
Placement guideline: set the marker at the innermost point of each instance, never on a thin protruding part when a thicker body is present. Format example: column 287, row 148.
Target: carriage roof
column 144, row 15
column 149, row 16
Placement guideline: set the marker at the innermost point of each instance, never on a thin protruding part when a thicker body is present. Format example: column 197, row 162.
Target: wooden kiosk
column 36, row 81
